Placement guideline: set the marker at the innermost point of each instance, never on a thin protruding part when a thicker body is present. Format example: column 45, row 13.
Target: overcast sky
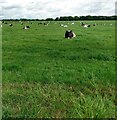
column 42, row 9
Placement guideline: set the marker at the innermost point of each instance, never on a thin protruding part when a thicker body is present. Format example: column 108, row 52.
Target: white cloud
column 55, row 8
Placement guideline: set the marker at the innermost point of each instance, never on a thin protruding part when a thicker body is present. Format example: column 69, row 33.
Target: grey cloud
column 11, row 7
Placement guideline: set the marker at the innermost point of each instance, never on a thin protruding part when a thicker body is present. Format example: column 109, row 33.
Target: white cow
column 65, row 26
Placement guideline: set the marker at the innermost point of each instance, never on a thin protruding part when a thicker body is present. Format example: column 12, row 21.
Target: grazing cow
column 10, row 25
column 26, row 27
column 65, row 26
column 39, row 23
column 94, row 24
column 62, row 25
column 84, row 25
column 69, row 34
column 46, row 24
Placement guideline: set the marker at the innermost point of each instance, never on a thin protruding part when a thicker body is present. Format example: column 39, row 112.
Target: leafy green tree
column 49, row 19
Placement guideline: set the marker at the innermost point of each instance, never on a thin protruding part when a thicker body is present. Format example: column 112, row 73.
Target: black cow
column 94, row 24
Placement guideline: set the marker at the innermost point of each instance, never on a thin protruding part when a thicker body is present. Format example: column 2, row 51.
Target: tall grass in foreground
column 57, row 101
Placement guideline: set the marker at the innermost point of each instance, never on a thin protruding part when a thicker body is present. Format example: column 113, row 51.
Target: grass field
column 47, row 76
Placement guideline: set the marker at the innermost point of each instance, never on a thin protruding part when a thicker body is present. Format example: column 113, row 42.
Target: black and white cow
column 10, row 25
column 84, row 25
column 26, row 27
column 69, row 34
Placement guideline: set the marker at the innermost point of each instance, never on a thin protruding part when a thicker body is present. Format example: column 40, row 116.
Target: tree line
column 75, row 18
column 70, row 18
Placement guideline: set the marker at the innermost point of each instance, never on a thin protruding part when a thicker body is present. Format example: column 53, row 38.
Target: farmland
column 45, row 75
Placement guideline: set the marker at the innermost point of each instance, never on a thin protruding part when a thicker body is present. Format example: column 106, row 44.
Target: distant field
column 47, row 76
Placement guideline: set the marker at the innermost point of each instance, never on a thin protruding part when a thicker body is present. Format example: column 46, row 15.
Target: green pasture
column 45, row 75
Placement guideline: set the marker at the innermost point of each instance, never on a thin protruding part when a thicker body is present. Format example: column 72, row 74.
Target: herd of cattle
column 68, row 34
